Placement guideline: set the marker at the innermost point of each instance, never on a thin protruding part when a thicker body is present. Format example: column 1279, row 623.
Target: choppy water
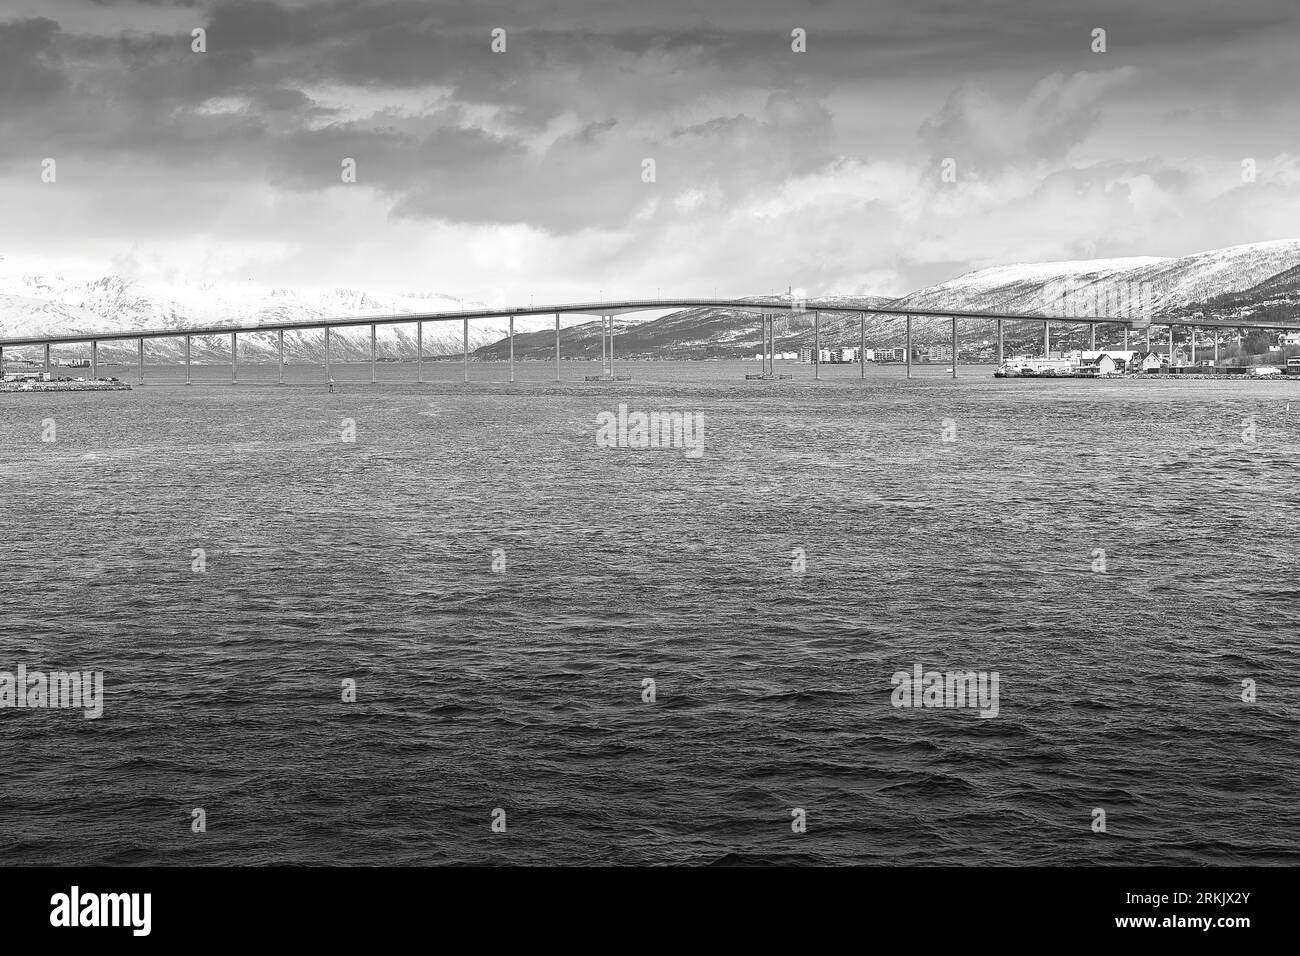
column 372, row 561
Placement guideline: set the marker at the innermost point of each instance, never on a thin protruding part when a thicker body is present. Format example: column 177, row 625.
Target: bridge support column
column 1216, row 350
column 419, row 351
column 1092, row 336
column 234, row 358
column 954, row 346
column 512, row 348
column 139, row 359
column 1126, row 338
column 1191, row 337
column 1171, row 346
column 466, row 347
column 47, row 359
column 327, row 354
column 280, row 351
column 1148, row 338
column 372, row 353
column 817, row 345
column 1047, row 340
column 862, row 345
column 187, row 360
column 611, row 346
column 908, row 343
column 94, row 359
column 999, row 343
column 557, row 346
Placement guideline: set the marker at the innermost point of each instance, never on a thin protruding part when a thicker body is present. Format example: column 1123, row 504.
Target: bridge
column 767, row 311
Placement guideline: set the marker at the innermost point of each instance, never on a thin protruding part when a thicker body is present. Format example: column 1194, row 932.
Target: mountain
column 693, row 333
column 1255, row 280
column 37, row 305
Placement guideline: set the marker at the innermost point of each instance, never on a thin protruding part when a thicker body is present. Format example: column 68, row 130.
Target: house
column 1288, row 338
column 1098, row 363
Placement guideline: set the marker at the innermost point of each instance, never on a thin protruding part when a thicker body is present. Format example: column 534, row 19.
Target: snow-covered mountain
column 1112, row 286
column 1259, row 278
column 39, row 305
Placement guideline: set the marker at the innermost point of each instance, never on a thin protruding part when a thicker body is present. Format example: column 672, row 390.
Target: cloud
column 984, row 132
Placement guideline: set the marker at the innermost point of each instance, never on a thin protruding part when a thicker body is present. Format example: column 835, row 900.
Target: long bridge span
column 765, row 310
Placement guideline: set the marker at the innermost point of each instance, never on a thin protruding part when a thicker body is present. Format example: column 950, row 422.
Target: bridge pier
column 1047, row 340
column 1148, row 338
column 862, row 345
column 817, row 345
column 999, row 343
column 1216, row 350
column 610, row 320
column 234, row 359
column 1171, row 346
column 327, row 354
column 47, row 359
column 187, row 360
column 139, row 359
column 94, row 359
column 1092, row 336
column 557, row 346
column 954, row 346
column 372, row 353
column 512, row 348
column 419, row 351
column 466, row 346
column 280, row 350
column 1191, row 337
column 909, row 346
column 1126, row 338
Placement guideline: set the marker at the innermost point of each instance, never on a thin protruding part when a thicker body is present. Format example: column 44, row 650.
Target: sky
column 907, row 143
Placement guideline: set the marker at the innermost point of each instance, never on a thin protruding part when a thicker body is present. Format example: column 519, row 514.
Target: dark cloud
column 31, row 69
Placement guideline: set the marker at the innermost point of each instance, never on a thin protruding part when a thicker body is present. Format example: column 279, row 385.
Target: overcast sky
column 502, row 177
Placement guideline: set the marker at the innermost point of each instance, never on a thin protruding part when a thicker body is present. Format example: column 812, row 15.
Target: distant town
column 1235, row 358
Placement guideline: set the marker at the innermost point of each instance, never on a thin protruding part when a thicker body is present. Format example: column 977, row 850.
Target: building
column 1288, row 338
column 939, row 353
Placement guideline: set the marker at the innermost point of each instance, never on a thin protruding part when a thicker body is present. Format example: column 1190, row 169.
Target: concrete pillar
column 862, row 344
column 1171, row 346
column 1216, row 349
column 139, row 359
column 1047, row 340
column 611, row 346
column 419, row 351
column 466, row 347
column 1148, row 338
column 234, row 358
column 512, row 348
column 280, row 349
column 909, row 346
column 94, row 359
column 999, row 343
column 327, row 354
column 372, row 353
column 1126, row 338
column 1092, row 336
column 817, row 344
column 954, row 346
column 47, row 359
column 557, row 346
column 187, row 360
